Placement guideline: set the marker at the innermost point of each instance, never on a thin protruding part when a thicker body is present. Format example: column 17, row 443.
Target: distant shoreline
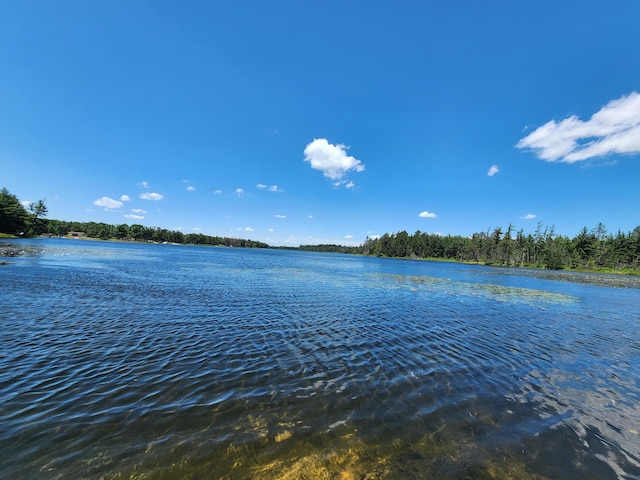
column 12, row 250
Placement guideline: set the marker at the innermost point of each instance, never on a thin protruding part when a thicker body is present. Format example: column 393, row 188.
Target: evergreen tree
column 14, row 217
column 36, row 221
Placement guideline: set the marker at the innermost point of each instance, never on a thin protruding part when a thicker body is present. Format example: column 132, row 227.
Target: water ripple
column 159, row 361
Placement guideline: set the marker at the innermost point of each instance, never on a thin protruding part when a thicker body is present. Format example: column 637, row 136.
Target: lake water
column 166, row 362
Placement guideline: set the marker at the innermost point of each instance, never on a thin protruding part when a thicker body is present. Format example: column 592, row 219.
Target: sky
column 307, row 122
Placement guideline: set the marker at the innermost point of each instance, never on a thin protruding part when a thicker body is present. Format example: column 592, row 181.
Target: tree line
column 16, row 219
column 20, row 219
column 330, row 248
column 142, row 233
column 589, row 250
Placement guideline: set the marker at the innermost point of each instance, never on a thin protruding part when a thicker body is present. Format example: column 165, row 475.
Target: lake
column 123, row 360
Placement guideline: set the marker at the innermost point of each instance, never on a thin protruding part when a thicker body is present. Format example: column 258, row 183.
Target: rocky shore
column 15, row 249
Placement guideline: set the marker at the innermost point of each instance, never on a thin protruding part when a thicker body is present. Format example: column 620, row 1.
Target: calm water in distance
column 123, row 360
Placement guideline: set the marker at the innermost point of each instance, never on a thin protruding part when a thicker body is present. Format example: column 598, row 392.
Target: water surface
column 158, row 361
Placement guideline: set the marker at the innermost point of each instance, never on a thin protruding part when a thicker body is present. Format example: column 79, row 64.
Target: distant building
column 77, row 234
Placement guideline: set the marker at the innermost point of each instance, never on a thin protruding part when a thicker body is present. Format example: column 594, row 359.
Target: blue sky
column 299, row 122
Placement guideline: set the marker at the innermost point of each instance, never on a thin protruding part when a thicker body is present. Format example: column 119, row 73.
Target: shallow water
column 159, row 361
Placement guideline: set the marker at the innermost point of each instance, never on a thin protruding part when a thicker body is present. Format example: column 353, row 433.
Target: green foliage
column 13, row 216
column 589, row 250
column 15, row 219
column 329, row 248
column 36, row 221
column 141, row 233
column 200, row 239
column 594, row 249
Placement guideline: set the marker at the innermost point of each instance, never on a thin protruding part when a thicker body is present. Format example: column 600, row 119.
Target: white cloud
column 614, row 129
column 217, row 192
column 151, row 196
column 245, row 229
column 493, row 170
column 310, row 216
column 134, row 217
column 271, row 188
column 26, row 203
column 144, row 184
column 138, row 210
column 529, row 216
column 346, row 183
column 239, row 192
column 427, row 214
column 125, row 198
column 280, row 216
column 270, row 230
column 331, row 159
column 191, row 188
column 349, row 237
column 108, row 203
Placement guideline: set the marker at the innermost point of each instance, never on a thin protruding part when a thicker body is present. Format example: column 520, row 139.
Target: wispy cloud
column 134, row 217
column 427, row 214
column 270, row 188
column 138, row 210
column 240, row 192
column 108, row 203
column 614, row 129
column 191, row 188
column 151, row 196
column 217, row 192
column 245, row 229
column 125, row 198
column 345, row 183
column 280, row 216
column 529, row 216
column 144, row 184
column 331, row 160
column 493, row 170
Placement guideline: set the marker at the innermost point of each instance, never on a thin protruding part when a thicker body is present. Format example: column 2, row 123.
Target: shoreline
column 9, row 250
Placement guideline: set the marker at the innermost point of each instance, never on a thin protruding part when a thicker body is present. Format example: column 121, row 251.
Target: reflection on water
column 152, row 361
